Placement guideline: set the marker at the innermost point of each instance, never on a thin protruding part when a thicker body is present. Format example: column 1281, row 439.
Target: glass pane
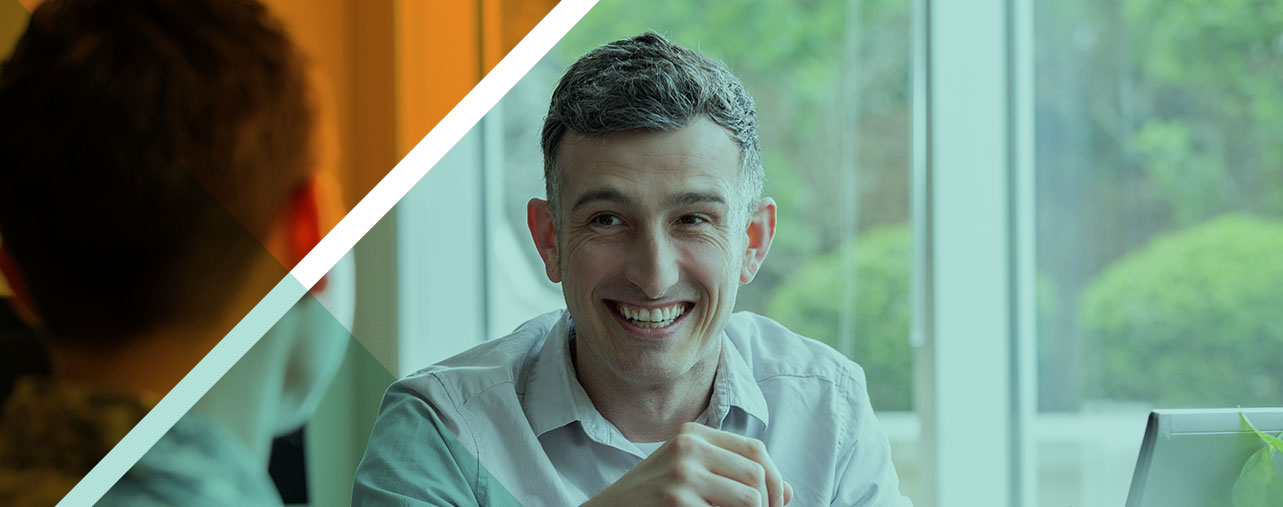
column 1160, row 225
column 831, row 81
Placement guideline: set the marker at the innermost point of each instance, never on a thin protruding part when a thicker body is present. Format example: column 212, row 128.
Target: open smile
column 650, row 321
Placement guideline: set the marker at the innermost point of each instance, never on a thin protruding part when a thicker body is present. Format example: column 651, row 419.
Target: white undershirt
column 648, row 448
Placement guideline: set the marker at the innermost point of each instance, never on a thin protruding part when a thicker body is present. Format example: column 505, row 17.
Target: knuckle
column 672, row 497
column 685, row 443
column 683, row 472
column 757, row 473
column 750, row 498
column 756, row 449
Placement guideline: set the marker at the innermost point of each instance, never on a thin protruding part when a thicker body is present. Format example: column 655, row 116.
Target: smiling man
column 646, row 390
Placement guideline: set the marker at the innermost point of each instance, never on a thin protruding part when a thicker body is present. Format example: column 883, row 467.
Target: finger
column 725, row 492
column 750, row 448
column 788, row 492
column 732, row 466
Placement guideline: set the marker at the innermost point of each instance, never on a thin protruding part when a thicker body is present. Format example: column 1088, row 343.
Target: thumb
column 788, row 493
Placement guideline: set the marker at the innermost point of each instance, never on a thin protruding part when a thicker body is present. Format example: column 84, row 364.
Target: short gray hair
column 649, row 84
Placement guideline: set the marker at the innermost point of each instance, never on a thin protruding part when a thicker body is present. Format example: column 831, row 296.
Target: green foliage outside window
column 1192, row 319
column 810, row 303
column 1156, row 116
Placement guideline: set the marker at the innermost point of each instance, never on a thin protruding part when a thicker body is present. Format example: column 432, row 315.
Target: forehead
column 699, row 156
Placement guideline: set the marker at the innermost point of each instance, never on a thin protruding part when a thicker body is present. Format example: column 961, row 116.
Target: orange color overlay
column 394, row 69
column 385, row 73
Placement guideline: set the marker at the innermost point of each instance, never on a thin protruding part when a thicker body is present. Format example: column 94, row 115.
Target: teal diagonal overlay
column 216, row 454
column 180, row 400
column 307, row 360
column 440, row 470
column 219, row 360
column 338, row 431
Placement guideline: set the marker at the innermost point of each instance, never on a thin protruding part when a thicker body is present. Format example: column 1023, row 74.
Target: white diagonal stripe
column 441, row 139
column 327, row 253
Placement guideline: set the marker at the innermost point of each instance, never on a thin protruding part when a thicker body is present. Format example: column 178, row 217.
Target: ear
column 299, row 226
column 21, row 300
column 543, row 229
column 760, row 231
column 304, row 221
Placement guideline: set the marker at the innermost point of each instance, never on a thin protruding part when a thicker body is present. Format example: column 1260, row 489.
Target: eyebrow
column 617, row 197
column 689, row 198
column 605, row 194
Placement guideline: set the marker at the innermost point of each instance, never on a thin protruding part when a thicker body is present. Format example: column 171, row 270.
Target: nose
column 652, row 264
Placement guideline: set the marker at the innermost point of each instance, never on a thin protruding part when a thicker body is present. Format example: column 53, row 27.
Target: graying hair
column 649, row 84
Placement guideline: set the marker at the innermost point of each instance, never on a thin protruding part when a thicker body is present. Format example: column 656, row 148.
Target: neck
column 241, row 401
column 646, row 412
column 150, row 364
column 153, row 363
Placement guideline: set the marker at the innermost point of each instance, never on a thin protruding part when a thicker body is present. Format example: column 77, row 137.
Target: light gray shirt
column 507, row 421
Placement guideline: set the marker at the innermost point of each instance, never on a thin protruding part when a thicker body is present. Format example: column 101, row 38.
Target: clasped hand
column 701, row 466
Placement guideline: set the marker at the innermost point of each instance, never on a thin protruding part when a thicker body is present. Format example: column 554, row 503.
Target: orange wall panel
column 437, row 61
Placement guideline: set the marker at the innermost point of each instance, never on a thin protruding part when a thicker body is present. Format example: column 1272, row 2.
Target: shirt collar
column 554, row 398
column 735, row 387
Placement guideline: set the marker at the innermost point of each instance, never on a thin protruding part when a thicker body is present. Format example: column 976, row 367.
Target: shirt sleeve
column 415, row 458
column 866, row 477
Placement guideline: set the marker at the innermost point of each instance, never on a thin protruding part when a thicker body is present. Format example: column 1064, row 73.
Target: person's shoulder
column 197, row 462
column 772, row 350
column 498, row 362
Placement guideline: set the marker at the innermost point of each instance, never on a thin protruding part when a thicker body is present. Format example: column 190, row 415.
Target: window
column 1160, row 226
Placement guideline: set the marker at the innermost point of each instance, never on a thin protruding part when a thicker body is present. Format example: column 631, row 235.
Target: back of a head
column 646, row 83
column 146, row 146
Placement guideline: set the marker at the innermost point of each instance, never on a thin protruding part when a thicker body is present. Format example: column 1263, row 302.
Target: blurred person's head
column 154, row 152
column 654, row 216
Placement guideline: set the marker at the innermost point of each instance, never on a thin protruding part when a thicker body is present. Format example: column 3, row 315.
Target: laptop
column 1192, row 458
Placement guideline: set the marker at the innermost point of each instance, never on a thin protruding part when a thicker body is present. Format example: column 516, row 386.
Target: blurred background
column 1133, row 157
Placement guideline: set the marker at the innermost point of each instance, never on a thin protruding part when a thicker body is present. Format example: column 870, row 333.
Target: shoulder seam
column 489, row 387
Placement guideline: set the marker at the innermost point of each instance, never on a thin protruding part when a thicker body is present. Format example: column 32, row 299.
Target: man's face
column 652, row 246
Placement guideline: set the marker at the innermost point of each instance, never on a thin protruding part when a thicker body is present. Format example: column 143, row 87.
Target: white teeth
column 658, row 317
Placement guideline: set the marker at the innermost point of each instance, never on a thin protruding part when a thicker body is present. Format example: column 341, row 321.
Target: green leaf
column 1273, row 441
column 1258, row 485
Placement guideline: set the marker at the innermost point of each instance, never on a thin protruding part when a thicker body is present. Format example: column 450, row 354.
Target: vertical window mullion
column 967, row 205
column 1020, row 61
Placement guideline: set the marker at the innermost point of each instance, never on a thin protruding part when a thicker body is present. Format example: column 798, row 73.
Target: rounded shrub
column 1194, row 318
column 810, row 302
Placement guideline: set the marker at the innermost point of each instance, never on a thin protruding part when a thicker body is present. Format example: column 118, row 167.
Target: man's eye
column 692, row 220
column 606, row 220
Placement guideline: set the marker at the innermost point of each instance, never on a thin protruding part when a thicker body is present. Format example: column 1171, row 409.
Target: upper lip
column 669, row 312
column 650, row 306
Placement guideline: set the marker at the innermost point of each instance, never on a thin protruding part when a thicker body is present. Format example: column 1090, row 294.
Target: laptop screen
column 1192, row 458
